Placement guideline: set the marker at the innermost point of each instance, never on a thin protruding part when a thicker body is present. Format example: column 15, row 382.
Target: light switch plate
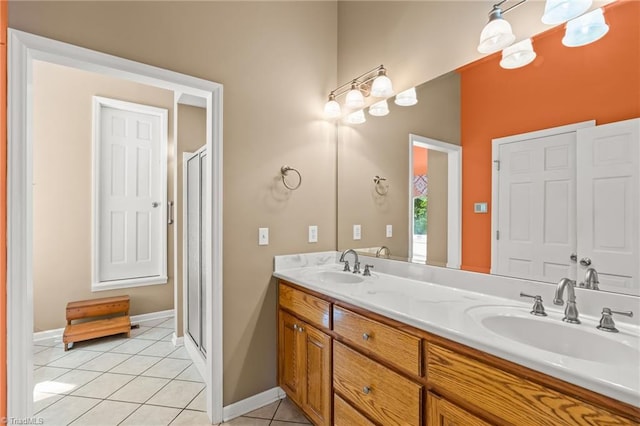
column 389, row 231
column 263, row 236
column 480, row 208
column 313, row 233
column 357, row 232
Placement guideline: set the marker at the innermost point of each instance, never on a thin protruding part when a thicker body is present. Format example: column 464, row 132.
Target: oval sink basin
column 336, row 277
column 553, row 335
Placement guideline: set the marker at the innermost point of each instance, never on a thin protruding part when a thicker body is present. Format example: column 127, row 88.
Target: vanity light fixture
column 407, row 97
column 518, row 55
column 372, row 83
column 379, row 109
column 585, row 29
column 356, row 117
column 559, row 11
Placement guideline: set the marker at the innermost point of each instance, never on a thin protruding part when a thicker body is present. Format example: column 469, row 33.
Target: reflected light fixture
column 559, row 11
column 585, row 29
column 407, row 97
column 372, row 83
column 518, row 55
column 379, row 109
column 497, row 34
column 356, row 117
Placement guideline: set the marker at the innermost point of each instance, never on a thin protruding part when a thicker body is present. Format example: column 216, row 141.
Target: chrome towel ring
column 284, row 172
column 381, row 188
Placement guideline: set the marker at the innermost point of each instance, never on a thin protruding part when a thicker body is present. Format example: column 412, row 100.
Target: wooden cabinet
column 387, row 373
column 304, row 366
column 443, row 413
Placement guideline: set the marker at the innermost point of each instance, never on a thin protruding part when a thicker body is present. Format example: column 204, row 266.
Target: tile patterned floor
column 141, row 381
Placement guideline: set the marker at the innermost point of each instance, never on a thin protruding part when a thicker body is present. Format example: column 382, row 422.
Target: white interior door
column 536, row 209
column 130, row 194
column 609, row 203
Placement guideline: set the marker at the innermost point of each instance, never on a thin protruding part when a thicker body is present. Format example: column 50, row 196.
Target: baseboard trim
column 52, row 334
column 254, row 402
column 177, row 341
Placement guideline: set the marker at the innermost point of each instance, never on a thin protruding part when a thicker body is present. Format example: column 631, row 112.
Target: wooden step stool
column 98, row 327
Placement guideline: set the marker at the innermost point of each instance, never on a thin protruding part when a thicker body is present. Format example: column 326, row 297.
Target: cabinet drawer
column 508, row 397
column 395, row 346
column 312, row 309
column 386, row 396
column 346, row 415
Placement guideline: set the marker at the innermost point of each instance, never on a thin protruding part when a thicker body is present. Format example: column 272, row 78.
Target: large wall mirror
column 397, row 176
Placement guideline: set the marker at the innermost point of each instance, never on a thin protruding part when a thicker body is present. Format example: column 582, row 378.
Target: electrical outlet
column 313, row 233
column 389, row 231
column 263, row 236
column 357, row 232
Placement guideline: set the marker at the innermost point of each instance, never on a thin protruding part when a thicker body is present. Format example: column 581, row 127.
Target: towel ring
column 380, row 189
column 284, row 171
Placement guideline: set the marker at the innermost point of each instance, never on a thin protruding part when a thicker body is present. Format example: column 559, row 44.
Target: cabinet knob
column 585, row 261
column 300, row 329
column 365, row 336
column 295, row 326
column 366, row 390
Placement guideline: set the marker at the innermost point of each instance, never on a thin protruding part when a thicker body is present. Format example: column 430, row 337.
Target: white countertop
column 445, row 311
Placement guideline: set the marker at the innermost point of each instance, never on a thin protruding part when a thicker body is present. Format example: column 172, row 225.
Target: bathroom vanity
column 386, row 350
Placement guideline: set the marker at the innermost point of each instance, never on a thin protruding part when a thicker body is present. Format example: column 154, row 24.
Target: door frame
column 495, row 176
column 24, row 48
column 454, row 199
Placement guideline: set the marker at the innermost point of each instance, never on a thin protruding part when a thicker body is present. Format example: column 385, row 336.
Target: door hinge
column 497, row 164
column 497, row 235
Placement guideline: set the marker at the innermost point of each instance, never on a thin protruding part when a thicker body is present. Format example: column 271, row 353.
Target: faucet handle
column 346, row 266
column 367, row 272
column 607, row 323
column 538, row 307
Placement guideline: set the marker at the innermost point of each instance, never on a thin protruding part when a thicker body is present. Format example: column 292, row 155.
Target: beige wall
column 62, row 190
column 277, row 61
column 437, row 211
column 381, row 147
column 192, row 133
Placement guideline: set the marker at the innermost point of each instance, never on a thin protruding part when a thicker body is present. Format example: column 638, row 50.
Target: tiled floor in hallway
column 142, row 381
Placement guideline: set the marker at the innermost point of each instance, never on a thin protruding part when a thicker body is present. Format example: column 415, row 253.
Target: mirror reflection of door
column 433, row 202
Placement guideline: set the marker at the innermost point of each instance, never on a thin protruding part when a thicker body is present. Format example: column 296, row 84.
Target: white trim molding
column 24, row 49
column 254, row 402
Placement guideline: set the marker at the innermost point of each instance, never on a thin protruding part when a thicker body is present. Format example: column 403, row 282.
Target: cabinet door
column 290, row 356
column 441, row 412
column 316, row 397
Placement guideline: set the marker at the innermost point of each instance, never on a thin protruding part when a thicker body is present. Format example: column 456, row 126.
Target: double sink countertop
column 607, row 363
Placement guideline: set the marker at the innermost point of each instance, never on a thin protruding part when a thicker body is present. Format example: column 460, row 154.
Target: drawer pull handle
column 366, row 390
column 365, row 336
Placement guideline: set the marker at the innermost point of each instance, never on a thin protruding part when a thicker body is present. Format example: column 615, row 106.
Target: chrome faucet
column 385, row 249
column 571, row 311
column 591, row 279
column 356, row 264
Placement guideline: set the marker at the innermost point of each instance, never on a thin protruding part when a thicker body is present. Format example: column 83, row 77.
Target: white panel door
column 130, row 197
column 609, row 203
column 537, row 208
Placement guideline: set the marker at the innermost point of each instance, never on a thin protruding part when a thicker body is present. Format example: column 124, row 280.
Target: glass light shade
column 354, row 99
column 382, row 87
column 407, row 97
column 585, row 29
column 379, row 109
column 332, row 109
column 496, row 35
column 559, row 11
column 518, row 55
column 356, row 117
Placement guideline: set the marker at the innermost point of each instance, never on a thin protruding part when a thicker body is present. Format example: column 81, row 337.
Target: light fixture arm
column 359, row 81
column 510, row 8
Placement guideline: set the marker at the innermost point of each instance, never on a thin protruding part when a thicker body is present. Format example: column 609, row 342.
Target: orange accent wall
column 420, row 158
column 3, row 208
column 563, row 85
